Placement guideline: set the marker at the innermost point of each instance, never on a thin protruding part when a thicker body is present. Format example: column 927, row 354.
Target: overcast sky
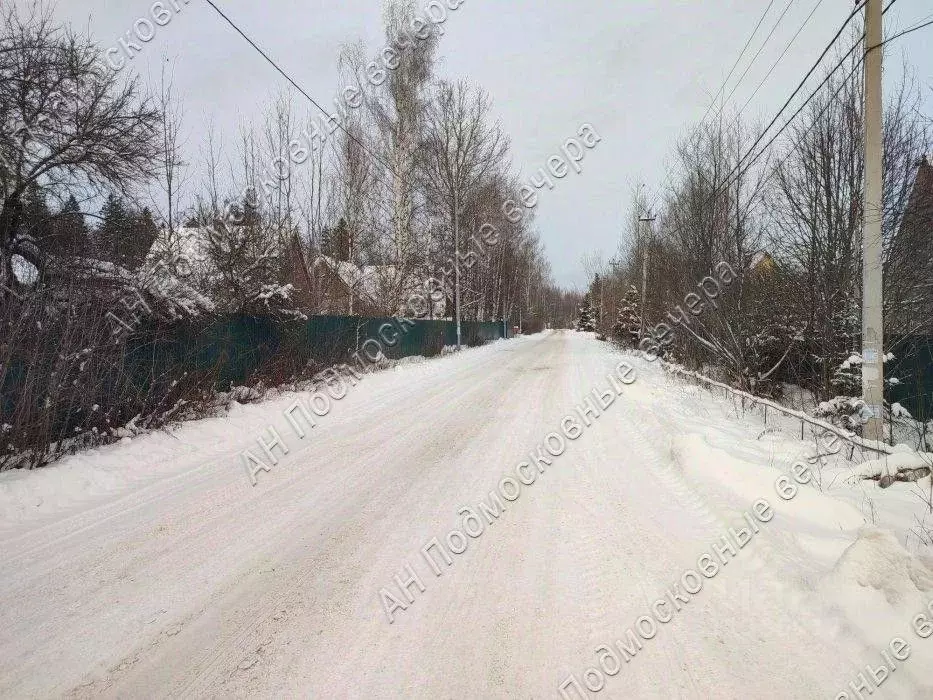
column 639, row 71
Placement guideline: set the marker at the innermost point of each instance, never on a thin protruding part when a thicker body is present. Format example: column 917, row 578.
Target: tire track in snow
column 211, row 673
column 437, row 399
column 766, row 560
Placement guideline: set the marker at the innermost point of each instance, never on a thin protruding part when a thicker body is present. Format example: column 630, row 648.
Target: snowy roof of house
column 190, row 243
column 24, row 271
column 369, row 278
column 362, row 280
column 759, row 258
column 919, row 211
column 377, row 282
column 167, row 290
column 172, row 290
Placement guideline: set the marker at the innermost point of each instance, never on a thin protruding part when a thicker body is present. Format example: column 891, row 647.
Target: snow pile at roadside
column 877, row 563
column 748, row 481
column 736, row 451
column 880, row 588
column 90, row 475
column 207, row 443
column 860, row 555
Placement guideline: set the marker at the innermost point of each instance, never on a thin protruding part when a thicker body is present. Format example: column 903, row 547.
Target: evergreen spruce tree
column 143, row 232
column 37, row 218
column 596, row 293
column 125, row 236
column 336, row 243
column 587, row 320
column 70, row 232
column 628, row 326
column 846, row 376
column 111, row 229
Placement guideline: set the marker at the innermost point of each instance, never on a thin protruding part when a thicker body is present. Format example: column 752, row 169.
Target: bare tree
column 276, row 135
column 463, row 149
column 399, row 113
column 709, row 219
column 816, row 213
column 66, row 123
column 170, row 162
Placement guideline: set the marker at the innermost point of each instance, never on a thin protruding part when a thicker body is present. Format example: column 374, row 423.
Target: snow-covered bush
column 77, row 370
column 847, row 412
column 848, row 375
column 275, row 300
column 899, row 426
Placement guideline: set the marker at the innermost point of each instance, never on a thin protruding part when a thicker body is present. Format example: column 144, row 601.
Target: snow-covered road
column 154, row 568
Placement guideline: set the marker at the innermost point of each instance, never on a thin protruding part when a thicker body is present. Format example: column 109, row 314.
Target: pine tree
column 111, row 229
column 847, row 378
column 142, row 232
column 336, row 243
column 37, row 218
column 125, row 236
column 587, row 320
column 67, row 234
column 845, row 356
column 628, row 326
column 596, row 294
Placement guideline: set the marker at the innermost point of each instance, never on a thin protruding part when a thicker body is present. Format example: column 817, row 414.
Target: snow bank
column 749, row 481
column 877, row 561
column 26, row 494
column 873, row 445
column 213, row 442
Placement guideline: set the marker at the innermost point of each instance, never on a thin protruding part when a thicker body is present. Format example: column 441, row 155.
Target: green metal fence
column 234, row 347
column 51, row 392
column 913, row 366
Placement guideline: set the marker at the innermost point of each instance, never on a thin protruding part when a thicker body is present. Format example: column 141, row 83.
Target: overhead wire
column 314, row 102
column 731, row 178
column 292, row 81
column 747, row 68
column 737, row 61
column 757, row 54
column 813, row 94
column 738, row 170
column 781, row 57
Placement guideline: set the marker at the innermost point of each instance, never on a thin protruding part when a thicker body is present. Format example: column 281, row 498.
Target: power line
column 738, row 170
column 794, row 115
column 304, row 93
column 781, row 57
column 755, row 57
column 751, row 63
column 843, row 83
column 737, row 61
column 298, row 87
column 803, row 82
column 818, row 88
column 907, row 31
column 731, row 177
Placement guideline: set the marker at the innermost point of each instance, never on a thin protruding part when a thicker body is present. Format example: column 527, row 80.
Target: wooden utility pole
column 872, row 313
